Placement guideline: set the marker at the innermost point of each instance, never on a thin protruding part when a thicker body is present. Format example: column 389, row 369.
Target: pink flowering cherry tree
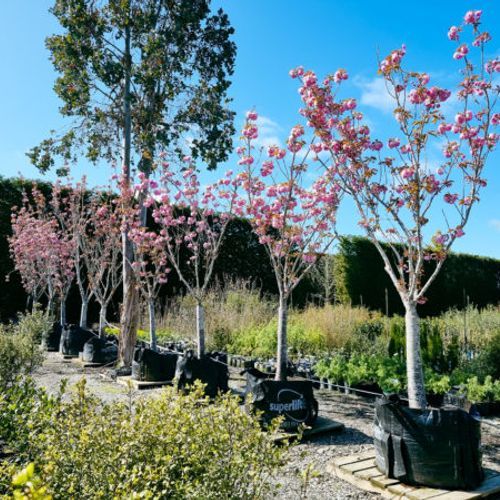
column 151, row 265
column 101, row 250
column 192, row 222
column 292, row 210
column 399, row 194
column 69, row 205
column 27, row 232
column 42, row 252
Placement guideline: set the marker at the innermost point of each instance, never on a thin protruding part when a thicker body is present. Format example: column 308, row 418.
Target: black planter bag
column 211, row 370
column 52, row 339
column 292, row 399
column 153, row 366
column 439, row 448
column 73, row 339
column 98, row 350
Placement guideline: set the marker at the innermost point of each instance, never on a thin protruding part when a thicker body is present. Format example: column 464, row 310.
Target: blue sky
column 272, row 37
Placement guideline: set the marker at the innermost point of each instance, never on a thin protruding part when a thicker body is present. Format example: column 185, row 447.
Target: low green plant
column 488, row 391
column 27, row 485
column 20, row 351
column 436, row 383
column 87, row 449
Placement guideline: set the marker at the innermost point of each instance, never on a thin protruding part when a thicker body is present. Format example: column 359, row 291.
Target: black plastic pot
column 98, row 350
column 153, row 366
column 52, row 339
column 73, row 338
column 438, row 448
column 211, row 370
column 294, row 400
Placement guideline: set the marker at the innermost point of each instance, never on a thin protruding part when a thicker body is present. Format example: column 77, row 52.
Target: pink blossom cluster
column 394, row 191
column 294, row 220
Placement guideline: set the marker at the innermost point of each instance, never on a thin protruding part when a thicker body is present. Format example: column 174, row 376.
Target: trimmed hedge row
column 361, row 280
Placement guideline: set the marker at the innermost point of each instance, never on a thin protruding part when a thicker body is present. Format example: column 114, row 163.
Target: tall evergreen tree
column 138, row 76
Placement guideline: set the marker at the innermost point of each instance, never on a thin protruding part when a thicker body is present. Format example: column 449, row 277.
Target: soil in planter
column 153, row 366
column 52, row 339
column 294, row 399
column 73, row 339
column 438, row 448
column 211, row 370
column 98, row 350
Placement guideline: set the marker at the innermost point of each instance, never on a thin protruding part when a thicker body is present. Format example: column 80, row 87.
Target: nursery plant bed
column 360, row 471
column 323, row 425
column 140, row 385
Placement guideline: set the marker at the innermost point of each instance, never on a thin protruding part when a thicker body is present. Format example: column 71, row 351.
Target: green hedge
column 361, row 279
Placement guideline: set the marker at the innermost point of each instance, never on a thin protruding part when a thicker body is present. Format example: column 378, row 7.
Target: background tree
column 148, row 74
column 69, row 205
column 193, row 221
column 151, row 263
column 43, row 252
column 396, row 193
column 293, row 216
column 101, row 250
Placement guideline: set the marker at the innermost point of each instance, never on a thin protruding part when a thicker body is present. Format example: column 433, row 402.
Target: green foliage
column 86, row 449
column 390, row 373
column 20, row 351
column 436, row 383
column 360, row 278
column 27, row 486
column 488, row 391
column 180, row 53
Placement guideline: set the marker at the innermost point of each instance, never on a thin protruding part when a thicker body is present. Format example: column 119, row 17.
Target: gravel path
column 355, row 412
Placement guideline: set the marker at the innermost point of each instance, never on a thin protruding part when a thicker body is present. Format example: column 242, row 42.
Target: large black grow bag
column 99, row 350
column 211, row 370
column 73, row 338
column 439, row 448
column 153, row 366
column 294, row 399
column 52, row 338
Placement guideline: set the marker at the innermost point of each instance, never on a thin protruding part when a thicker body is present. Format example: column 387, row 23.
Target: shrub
column 489, row 391
column 173, row 446
column 20, row 351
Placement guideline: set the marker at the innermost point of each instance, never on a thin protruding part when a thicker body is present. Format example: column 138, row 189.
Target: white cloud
column 374, row 94
column 495, row 224
column 268, row 132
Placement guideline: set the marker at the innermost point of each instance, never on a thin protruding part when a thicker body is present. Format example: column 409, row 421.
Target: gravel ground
column 356, row 413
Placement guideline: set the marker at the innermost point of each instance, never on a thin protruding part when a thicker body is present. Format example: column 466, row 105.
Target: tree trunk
column 152, row 324
column 63, row 312
column 102, row 319
column 282, row 353
column 84, row 311
column 200, row 329
column 128, row 320
column 414, row 368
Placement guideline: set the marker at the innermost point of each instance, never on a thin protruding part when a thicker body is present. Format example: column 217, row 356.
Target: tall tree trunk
column 152, row 324
column 84, row 311
column 63, row 312
column 282, row 353
column 414, row 368
column 102, row 319
column 200, row 328
column 128, row 320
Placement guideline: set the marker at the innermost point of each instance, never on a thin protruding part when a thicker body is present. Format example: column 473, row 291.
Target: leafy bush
column 20, row 351
column 87, row 449
column 489, row 391
column 436, row 383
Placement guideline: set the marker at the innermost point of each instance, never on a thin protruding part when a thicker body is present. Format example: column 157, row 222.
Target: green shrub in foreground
column 175, row 446
column 20, row 351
